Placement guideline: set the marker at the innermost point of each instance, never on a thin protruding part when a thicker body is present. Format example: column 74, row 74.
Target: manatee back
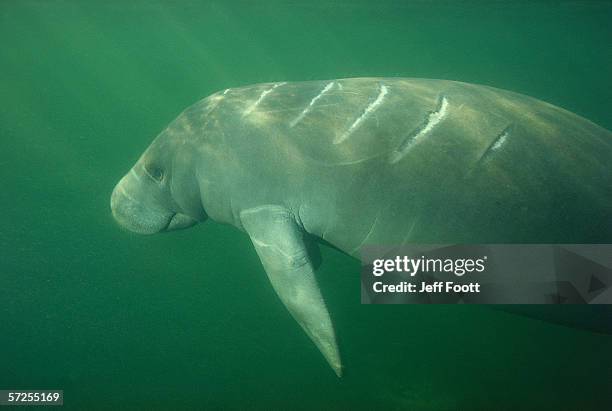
column 447, row 161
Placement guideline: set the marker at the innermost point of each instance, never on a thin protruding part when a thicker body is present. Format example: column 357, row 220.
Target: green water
column 187, row 320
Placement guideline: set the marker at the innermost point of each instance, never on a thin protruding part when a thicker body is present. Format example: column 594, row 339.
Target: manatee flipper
column 282, row 249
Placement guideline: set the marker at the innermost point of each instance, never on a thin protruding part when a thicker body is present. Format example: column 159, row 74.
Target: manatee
column 362, row 161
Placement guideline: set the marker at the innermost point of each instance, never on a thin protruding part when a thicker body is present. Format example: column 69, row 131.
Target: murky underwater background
column 187, row 320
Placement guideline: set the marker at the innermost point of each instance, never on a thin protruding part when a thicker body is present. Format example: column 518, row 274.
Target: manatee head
column 160, row 193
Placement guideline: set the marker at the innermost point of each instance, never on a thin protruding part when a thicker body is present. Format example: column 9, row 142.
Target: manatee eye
column 155, row 172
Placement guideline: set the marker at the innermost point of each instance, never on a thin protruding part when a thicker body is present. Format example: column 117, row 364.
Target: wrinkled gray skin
column 371, row 160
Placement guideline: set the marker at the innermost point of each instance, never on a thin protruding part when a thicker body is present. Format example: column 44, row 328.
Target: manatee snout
column 142, row 209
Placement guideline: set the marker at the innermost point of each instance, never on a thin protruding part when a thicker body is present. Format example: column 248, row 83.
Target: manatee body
column 371, row 161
